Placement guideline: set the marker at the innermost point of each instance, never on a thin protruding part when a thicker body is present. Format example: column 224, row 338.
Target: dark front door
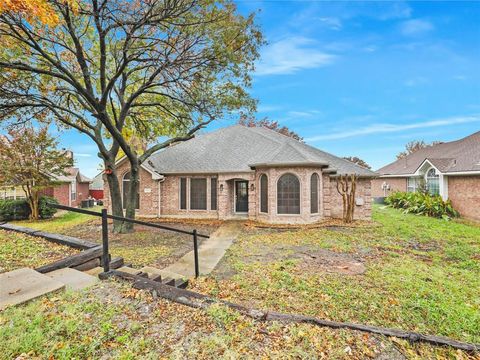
column 241, row 196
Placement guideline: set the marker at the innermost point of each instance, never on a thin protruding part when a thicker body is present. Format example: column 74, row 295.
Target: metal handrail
column 105, row 216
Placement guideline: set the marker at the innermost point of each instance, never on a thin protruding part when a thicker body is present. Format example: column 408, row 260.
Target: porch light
column 252, row 187
column 221, row 187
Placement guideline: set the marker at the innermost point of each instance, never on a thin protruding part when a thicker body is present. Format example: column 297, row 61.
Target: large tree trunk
column 115, row 196
column 132, row 198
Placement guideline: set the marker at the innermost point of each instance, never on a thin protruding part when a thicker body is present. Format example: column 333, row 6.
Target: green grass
column 423, row 274
column 59, row 223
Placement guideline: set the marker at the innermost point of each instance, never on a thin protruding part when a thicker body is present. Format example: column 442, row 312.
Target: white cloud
column 416, row 27
column 81, row 155
column 392, row 128
column 333, row 23
column 268, row 108
column 291, row 55
column 416, row 81
column 303, row 114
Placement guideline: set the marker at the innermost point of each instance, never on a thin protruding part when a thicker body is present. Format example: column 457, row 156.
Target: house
column 242, row 172
column 71, row 189
column 96, row 187
column 449, row 169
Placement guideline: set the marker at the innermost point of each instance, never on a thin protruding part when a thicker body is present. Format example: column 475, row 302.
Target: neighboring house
column 71, row 189
column 240, row 172
column 96, row 187
column 450, row 169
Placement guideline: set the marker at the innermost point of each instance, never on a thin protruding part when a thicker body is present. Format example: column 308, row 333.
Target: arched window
column 264, row 193
column 433, row 184
column 314, row 193
column 288, row 195
column 126, row 189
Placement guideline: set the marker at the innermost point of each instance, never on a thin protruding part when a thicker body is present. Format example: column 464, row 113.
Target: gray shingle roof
column 455, row 156
column 238, row 148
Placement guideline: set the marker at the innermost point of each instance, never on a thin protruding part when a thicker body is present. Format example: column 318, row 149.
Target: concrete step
column 22, row 285
column 129, row 270
column 165, row 277
column 73, row 279
column 95, row 271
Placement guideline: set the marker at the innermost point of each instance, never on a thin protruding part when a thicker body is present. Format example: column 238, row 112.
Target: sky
column 360, row 78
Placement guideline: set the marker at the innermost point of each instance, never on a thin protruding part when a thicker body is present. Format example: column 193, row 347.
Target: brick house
column 450, row 169
column 71, row 188
column 250, row 173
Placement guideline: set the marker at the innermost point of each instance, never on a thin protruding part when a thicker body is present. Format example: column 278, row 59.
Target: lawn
column 19, row 250
column 158, row 247
column 402, row 271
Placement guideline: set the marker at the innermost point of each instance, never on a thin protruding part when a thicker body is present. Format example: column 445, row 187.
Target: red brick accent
column 464, row 192
column 396, row 184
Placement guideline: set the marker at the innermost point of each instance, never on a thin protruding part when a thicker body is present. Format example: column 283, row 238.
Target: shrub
column 14, row 210
column 47, row 212
column 422, row 204
column 20, row 210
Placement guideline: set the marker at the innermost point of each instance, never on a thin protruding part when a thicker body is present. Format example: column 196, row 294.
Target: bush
column 422, row 204
column 20, row 210
column 14, row 210
column 47, row 212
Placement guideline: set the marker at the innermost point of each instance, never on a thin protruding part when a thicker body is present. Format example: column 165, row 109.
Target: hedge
column 19, row 209
column 422, row 204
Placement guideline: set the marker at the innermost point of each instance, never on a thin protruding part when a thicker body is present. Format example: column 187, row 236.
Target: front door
column 241, row 196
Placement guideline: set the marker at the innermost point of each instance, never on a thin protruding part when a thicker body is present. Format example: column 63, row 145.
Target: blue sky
column 361, row 78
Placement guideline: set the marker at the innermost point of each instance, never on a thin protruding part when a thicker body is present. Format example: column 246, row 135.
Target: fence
column 105, row 216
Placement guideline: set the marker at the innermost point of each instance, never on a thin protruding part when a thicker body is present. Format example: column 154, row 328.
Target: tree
column 358, row 161
column 346, row 187
column 413, row 146
column 112, row 68
column 30, row 159
column 269, row 124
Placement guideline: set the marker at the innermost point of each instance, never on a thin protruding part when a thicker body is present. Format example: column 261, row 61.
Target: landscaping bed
column 19, row 250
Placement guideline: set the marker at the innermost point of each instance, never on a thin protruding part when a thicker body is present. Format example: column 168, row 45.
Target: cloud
column 268, row 108
column 392, row 128
column 416, row 81
column 416, row 27
column 290, row 55
column 304, row 114
column 333, row 23
column 82, row 155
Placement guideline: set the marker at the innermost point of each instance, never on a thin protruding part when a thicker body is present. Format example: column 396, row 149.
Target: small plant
column 422, row 204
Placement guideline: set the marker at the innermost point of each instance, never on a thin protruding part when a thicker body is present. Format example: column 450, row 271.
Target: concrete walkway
column 210, row 252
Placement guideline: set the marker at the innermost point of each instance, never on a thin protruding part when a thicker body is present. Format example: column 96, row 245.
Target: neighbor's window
column 126, row 191
column 264, row 193
column 213, row 194
column 288, row 195
column 314, row 193
column 74, row 190
column 183, row 193
column 433, row 183
column 413, row 184
column 198, row 194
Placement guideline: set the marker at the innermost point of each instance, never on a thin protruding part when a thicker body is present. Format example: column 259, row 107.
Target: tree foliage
column 122, row 69
column 269, row 124
column 358, row 161
column 30, row 159
column 413, row 146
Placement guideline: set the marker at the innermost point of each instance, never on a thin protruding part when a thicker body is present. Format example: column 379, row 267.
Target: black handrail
column 104, row 215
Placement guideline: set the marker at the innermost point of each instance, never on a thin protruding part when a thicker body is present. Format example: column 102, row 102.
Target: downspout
column 159, row 205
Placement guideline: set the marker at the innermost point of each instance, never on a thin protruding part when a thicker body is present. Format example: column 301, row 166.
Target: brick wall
column 396, row 184
column 329, row 202
column 62, row 194
column 363, row 194
column 464, row 192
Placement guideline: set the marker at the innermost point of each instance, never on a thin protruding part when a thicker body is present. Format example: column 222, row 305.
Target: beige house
column 247, row 173
column 449, row 169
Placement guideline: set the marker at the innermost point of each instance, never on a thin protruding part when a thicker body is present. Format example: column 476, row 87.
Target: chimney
column 68, row 153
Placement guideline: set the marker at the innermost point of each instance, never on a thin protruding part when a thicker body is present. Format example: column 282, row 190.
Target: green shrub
column 14, row 210
column 20, row 210
column 422, row 204
column 47, row 212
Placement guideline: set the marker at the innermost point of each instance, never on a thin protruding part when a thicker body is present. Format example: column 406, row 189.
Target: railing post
column 106, row 256
column 195, row 253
